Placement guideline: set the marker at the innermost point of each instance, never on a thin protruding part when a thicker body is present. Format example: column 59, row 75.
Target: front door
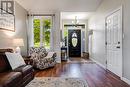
column 74, row 43
column 114, row 42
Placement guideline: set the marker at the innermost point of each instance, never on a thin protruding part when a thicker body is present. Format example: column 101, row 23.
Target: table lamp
column 18, row 42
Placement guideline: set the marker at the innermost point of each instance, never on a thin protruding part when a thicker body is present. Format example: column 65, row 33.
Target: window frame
column 42, row 34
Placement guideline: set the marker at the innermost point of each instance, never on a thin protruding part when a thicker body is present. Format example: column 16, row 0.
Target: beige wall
column 6, row 37
column 97, row 23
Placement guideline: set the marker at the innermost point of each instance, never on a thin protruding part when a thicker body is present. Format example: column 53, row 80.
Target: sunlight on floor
column 79, row 60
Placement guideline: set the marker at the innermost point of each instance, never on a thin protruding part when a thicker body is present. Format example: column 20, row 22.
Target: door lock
column 118, row 47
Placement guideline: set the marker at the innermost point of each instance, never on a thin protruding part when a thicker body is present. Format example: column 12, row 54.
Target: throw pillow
column 15, row 60
column 50, row 55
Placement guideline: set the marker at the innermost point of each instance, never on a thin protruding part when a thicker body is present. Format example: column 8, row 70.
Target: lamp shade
column 18, row 42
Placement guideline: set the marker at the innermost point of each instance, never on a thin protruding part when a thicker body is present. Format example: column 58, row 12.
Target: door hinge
column 106, row 43
column 106, row 62
column 105, row 24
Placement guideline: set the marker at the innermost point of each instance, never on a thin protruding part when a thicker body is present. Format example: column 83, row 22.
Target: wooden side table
column 28, row 60
column 64, row 53
column 85, row 55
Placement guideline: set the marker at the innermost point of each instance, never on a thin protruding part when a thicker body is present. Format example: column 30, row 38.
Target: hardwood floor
column 95, row 75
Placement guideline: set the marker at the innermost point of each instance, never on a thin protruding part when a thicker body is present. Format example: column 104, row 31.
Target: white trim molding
column 126, row 80
column 103, row 66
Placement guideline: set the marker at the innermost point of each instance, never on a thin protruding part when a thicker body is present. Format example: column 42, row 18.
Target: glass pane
column 65, row 32
column 83, row 41
column 36, row 26
column 47, row 25
column 74, row 40
column 65, row 35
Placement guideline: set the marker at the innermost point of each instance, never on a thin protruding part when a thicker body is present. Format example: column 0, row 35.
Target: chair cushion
column 24, row 69
column 38, row 56
column 9, row 79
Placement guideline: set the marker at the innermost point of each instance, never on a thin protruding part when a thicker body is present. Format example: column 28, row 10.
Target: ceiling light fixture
column 76, row 21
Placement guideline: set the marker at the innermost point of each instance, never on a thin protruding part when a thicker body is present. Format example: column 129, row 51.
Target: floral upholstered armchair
column 41, row 58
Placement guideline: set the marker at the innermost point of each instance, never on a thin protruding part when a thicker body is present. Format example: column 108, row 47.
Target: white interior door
column 114, row 42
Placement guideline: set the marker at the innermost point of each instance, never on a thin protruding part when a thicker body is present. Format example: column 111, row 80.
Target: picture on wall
column 7, row 17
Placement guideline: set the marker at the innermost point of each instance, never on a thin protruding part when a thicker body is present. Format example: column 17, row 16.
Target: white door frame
column 121, row 10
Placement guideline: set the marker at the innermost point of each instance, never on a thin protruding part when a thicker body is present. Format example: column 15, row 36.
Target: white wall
column 56, row 37
column 6, row 37
column 97, row 23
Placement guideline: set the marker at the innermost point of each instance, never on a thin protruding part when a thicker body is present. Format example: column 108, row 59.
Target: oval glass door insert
column 74, row 40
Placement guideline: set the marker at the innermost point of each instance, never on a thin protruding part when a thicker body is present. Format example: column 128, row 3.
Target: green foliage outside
column 46, row 32
column 65, row 35
column 36, row 26
column 65, row 32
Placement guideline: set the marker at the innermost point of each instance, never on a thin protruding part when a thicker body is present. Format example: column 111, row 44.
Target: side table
column 28, row 60
column 64, row 53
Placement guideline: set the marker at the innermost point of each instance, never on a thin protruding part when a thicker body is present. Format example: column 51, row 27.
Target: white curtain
column 30, row 31
column 52, row 35
column 56, row 34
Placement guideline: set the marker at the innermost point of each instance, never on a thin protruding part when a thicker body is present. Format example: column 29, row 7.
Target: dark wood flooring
column 95, row 75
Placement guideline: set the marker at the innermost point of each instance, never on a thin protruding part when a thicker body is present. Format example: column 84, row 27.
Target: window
column 36, row 23
column 42, row 30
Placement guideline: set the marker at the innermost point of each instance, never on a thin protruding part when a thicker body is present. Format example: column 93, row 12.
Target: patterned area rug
column 57, row 82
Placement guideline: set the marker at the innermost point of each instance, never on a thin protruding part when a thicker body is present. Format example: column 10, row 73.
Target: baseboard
column 98, row 63
column 57, row 61
column 126, row 80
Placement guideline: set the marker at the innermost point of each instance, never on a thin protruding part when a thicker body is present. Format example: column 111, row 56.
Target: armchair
column 41, row 58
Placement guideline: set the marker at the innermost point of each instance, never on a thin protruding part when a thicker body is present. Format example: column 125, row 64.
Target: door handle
column 118, row 47
column 118, row 42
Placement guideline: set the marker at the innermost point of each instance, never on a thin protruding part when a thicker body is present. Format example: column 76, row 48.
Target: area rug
column 57, row 82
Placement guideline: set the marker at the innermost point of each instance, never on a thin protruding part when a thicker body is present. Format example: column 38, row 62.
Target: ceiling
column 79, row 15
column 48, row 6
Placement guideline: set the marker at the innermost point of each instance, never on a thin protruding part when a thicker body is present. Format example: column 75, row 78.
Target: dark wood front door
column 74, row 43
